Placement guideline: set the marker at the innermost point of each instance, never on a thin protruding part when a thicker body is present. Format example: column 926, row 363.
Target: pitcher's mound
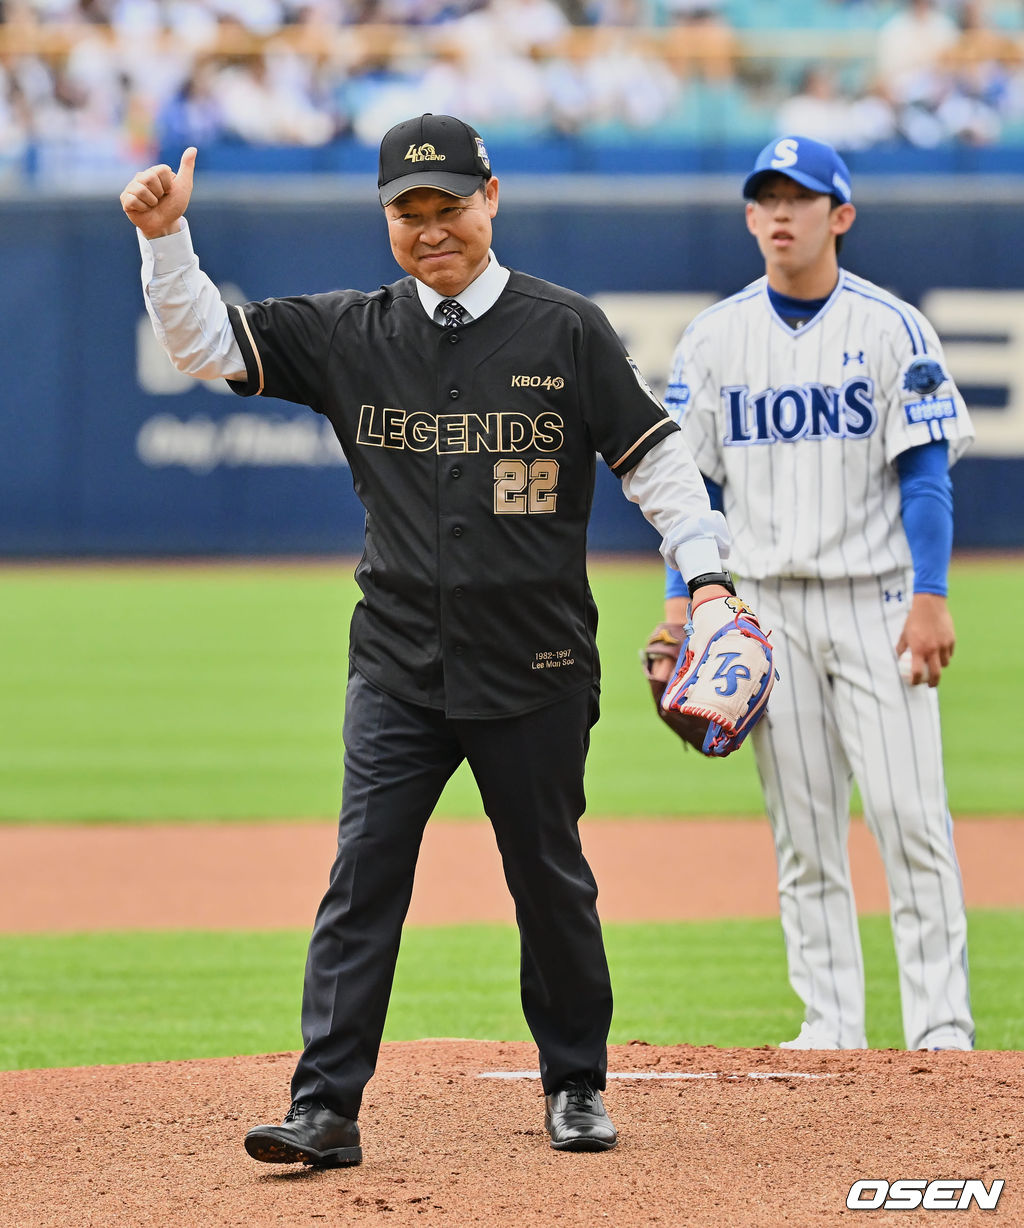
column 453, row 1134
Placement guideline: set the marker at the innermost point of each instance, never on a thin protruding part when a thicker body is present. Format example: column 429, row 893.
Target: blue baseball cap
column 813, row 163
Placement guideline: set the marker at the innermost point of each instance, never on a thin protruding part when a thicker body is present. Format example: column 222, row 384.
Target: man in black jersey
column 470, row 401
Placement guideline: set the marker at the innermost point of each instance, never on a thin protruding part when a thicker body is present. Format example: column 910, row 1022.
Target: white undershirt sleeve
column 668, row 487
column 189, row 317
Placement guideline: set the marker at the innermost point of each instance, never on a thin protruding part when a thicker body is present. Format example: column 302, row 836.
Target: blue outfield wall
column 106, row 450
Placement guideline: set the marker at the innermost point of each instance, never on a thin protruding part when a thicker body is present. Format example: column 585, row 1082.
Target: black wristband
column 711, row 577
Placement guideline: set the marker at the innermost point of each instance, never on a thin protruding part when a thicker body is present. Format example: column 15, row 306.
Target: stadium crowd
column 102, row 83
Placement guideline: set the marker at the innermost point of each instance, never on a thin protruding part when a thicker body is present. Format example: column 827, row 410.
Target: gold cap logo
column 423, row 153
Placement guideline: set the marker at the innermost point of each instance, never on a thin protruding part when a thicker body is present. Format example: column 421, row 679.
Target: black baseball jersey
column 473, row 451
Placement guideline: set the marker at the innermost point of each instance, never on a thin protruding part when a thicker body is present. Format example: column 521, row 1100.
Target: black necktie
column 453, row 311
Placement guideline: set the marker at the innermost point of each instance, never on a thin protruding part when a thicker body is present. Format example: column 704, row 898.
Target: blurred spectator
column 816, row 110
column 115, row 79
column 566, row 88
column 820, row 110
column 261, row 102
column 950, row 81
column 700, row 41
column 629, row 86
column 257, row 16
column 911, row 47
column 985, row 71
column 872, row 119
column 15, row 120
column 624, row 13
column 192, row 22
column 421, row 12
column 504, row 27
column 192, row 116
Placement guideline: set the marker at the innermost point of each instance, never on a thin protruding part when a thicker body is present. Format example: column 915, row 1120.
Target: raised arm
column 189, row 318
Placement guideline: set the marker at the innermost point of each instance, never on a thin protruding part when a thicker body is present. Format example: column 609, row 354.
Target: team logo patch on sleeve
column 923, row 376
column 643, row 383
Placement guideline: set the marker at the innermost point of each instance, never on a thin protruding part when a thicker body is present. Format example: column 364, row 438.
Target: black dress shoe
column 576, row 1119
column 311, row 1133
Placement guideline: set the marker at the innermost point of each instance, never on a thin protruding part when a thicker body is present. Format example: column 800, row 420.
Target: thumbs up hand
column 157, row 197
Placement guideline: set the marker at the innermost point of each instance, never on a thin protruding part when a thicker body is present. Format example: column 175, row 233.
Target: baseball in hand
column 907, row 667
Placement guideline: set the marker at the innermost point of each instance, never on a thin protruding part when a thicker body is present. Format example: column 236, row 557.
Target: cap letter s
column 785, row 153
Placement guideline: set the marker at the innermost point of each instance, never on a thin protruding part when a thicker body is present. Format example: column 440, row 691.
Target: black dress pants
column 529, row 770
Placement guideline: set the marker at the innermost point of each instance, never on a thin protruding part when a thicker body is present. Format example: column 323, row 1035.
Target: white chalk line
column 668, row 1074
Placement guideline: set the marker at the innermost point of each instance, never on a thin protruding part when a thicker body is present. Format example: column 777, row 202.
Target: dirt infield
column 719, row 1138
column 268, row 876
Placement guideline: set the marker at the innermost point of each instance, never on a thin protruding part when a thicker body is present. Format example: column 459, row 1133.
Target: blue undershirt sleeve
column 926, row 507
column 675, row 585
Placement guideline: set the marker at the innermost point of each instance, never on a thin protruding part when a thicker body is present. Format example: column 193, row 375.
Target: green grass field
column 217, row 693
column 155, row 694
column 109, row 998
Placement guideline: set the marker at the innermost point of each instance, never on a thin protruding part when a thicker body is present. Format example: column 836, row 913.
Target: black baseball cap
column 432, row 151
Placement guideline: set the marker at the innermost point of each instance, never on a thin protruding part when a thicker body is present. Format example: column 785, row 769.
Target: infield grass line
column 88, row 999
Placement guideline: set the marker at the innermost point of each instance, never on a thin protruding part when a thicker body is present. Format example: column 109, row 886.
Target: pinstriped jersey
column 473, row 451
column 802, row 426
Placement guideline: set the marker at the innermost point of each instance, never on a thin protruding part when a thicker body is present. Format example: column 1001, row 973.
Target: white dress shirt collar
column 478, row 297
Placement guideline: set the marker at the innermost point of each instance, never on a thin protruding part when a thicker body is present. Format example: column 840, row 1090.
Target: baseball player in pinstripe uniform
column 820, row 409
column 470, row 401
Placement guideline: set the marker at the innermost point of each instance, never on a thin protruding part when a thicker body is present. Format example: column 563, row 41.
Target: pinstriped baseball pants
column 840, row 712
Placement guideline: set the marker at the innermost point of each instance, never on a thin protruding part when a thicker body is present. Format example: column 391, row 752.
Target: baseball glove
column 721, row 678
column 659, row 657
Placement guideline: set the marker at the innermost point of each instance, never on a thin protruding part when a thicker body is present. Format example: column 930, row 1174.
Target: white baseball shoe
column 808, row 1039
